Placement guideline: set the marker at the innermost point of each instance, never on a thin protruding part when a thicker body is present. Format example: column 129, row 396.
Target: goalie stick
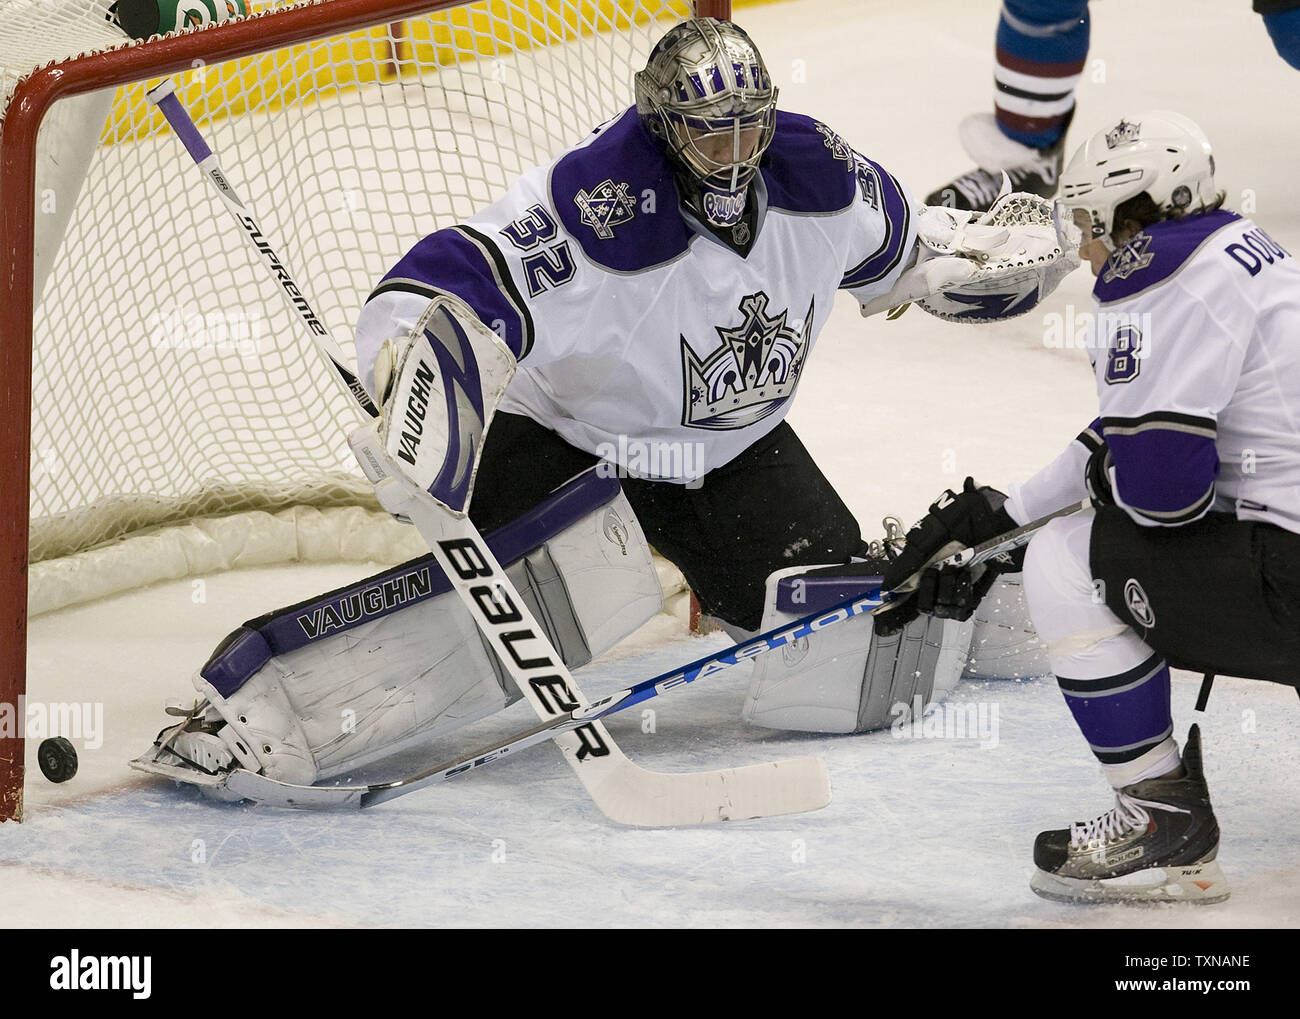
column 625, row 792
column 265, row 790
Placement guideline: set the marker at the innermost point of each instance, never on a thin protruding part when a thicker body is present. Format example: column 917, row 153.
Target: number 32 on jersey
column 545, row 267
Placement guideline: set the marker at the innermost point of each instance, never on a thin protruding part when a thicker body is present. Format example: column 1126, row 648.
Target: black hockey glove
column 955, row 521
column 1096, row 476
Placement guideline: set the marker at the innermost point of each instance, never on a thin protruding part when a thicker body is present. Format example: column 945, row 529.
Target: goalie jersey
column 1198, row 374
column 640, row 336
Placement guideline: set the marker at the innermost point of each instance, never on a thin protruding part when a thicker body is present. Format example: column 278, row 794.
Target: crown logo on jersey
column 1131, row 258
column 1122, row 132
column 606, row 206
column 751, row 375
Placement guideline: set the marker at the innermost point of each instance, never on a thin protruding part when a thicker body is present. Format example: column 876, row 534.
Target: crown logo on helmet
column 1124, row 131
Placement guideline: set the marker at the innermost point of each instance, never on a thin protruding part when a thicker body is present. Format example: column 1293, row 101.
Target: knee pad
column 846, row 678
column 1083, row 636
column 1057, row 579
column 323, row 687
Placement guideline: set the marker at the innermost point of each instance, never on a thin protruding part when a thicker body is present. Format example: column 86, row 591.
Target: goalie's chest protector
column 653, row 344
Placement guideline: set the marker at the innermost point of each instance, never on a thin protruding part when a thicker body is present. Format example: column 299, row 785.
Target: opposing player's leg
column 1160, row 841
column 1041, row 47
column 1282, row 19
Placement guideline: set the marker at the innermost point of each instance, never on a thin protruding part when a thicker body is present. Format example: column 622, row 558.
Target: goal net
column 179, row 421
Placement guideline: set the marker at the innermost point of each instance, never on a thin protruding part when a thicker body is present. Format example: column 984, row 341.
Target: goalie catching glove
column 973, row 267
column 956, row 520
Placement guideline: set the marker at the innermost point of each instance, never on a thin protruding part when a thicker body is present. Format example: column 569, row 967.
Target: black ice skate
column 1157, row 845
column 1033, row 170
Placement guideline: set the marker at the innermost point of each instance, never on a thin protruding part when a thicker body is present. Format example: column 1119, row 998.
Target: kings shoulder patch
column 1132, row 257
column 868, row 178
column 838, row 146
column 604, row 207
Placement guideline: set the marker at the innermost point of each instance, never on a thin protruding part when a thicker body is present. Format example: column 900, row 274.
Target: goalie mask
column 706, row 95
column 1164, row 154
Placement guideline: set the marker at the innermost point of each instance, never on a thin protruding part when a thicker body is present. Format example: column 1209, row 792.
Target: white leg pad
column 1006, row 644
column 845, row 678
column 322, row 688
column 346, row 700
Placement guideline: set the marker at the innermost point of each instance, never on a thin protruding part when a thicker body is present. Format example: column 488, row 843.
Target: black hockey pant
column 768, row 509
column 1224, row 593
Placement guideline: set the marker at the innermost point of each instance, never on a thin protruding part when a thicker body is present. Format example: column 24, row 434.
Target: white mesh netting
column 169, row 382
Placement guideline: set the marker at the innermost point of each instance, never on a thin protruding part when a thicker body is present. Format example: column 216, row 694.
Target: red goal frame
column 29, row 105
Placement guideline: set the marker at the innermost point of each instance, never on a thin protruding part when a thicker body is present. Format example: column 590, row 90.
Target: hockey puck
column 57, row 758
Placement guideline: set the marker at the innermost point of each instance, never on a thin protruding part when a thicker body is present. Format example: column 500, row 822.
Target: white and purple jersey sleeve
column 468, row 261
column 883, row 222
column 1199, row 375
column 1058, row 484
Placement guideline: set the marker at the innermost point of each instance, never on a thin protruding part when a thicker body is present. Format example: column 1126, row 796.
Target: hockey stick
column 1011, row 540
column 262, row 789
column 624, row 792
column 163, row 96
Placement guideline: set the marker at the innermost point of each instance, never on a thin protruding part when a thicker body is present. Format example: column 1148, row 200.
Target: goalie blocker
column 322, row 688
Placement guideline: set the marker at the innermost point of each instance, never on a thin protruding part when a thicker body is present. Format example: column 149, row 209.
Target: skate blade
column 1200, row 883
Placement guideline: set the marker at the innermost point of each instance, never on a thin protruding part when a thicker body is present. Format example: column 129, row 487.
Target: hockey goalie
column 618, row 341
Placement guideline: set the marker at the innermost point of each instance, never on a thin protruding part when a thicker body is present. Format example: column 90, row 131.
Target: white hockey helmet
column 1164, row 154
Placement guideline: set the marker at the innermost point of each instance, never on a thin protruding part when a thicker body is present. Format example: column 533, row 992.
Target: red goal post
column 37, row 91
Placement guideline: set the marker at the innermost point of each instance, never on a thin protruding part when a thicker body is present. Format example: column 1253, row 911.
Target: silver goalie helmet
column 706, row 94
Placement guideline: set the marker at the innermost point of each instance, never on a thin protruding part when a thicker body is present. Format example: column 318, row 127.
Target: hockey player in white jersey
column 655, row 293
column 1191, row 558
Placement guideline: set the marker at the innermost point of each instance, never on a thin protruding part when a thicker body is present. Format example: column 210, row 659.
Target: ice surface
column 921, row 831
